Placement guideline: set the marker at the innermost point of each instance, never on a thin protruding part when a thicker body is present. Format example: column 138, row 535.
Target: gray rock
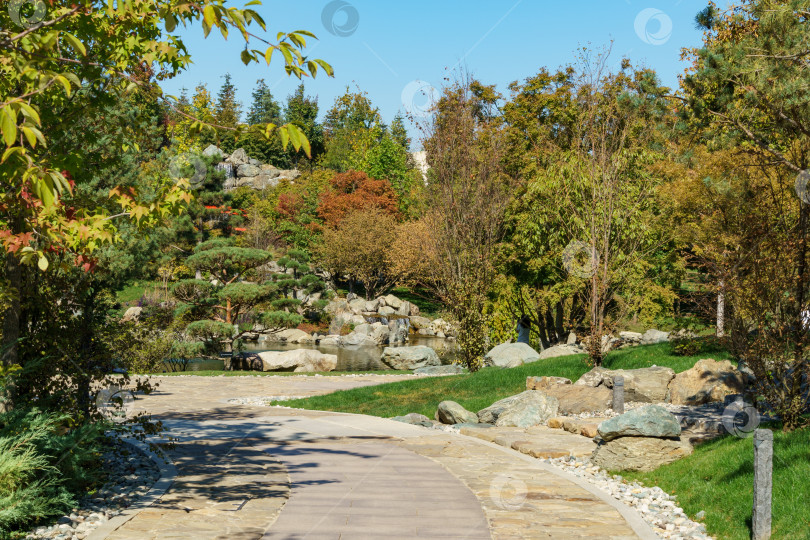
column 632, row 337
column 330, row 341
column 450, row 412
column 638, row 453
column 263, row 181
column 299, row 360
column 580, row 399
column 248, row 170
column 290, row 335
column 647, row 385
column 420, row 322
column 652, row 336
column 386, row 311
column 255, row 162
column 649, row 421
column 213, row 151
column 451, row 369
column 357, row 340
column 707, row 381
column 572, row 339
column 405, row 309
column 410, row 357
column 560, row 350
column 507, row 355
column 526, row 409
column 239, row 157
column 357, row 306
column 393, row 301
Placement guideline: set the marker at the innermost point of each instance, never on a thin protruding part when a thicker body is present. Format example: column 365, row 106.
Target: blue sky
column 383, row 46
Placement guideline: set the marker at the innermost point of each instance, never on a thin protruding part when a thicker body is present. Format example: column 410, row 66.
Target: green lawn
column 718, row 478
column 478, row 390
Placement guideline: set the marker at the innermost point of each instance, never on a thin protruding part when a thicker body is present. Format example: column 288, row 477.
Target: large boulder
column 631, row 337
column 638, row 453
column 332, row 340
column 526, row 409
column 647, row 385
column 652, row 336
column 213, row 151
column 393, row 301
column 450, row 412
column 239, row 157
column 708, row 380
column 386, row 311
column 299, row 360
column 507, row 355
column 649, row 421
column 410, row 357
column 357, row 306
column 560, row 350
column 356, row 339
column 418, row 322
column 580, row 399
column 246, row 170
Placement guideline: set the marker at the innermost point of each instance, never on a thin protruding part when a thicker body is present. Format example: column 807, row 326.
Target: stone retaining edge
column 636, row 522
column 168, row 473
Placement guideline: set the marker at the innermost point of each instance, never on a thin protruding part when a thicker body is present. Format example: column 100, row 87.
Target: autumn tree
column 352, row 191
column 468, row 191
column 358, row 248
column 747, row 94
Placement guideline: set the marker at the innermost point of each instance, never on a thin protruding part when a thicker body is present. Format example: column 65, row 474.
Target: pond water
column 349, row 359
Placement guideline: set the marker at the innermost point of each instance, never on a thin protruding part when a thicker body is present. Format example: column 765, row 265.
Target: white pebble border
column 657, row 507
column 131, row 474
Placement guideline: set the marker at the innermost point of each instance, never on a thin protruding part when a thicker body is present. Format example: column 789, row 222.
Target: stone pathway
column 250, row 472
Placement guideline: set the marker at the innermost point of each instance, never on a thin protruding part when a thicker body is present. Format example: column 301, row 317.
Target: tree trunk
column 721, row 311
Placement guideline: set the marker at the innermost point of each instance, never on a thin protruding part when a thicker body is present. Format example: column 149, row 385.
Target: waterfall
column 230, row 174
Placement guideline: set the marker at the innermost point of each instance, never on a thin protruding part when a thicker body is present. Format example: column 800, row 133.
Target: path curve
column 341, row 476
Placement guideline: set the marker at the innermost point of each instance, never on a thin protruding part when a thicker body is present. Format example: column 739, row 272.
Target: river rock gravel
column 131, row 473
column 657, row 507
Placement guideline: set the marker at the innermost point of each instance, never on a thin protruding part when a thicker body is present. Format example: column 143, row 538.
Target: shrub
column 44, row 463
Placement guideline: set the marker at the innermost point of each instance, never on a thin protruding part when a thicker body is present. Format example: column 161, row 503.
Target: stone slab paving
column 373, row 489
column 537, row 441
column 351, row 476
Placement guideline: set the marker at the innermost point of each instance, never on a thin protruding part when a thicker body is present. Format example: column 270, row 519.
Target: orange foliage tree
column 352, row 191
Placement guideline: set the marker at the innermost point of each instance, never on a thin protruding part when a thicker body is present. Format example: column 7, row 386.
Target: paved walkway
column 253, row 472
